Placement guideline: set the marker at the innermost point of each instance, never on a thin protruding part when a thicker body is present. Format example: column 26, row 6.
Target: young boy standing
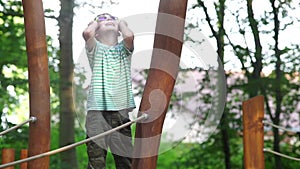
column 110, row 97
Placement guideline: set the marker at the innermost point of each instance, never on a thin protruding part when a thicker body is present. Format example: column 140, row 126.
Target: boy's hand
column 91, row 23
column 89, row 35
column 127, row 34
column 121, row 25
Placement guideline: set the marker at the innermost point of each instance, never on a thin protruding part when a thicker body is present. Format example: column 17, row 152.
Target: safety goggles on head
column 104, row 17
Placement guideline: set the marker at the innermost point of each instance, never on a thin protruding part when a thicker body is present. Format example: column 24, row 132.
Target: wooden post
column 160, row 82
column 8, row 155
column 24, row 154
column 39, row 85
column 253, row 115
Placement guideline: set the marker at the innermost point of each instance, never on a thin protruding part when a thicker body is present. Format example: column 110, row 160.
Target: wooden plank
column 24, row 154
column 253, row 115
column 160, row 82
column 39, row 84
column 8, row 155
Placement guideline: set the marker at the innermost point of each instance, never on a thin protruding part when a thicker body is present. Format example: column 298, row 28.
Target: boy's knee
column 123, row 162
column 95, row 150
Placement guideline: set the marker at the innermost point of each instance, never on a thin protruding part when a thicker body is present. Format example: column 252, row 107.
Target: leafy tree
column 277, row 88
column 66, row 66
column 13, row 55
column 217, row 29
column 13, row 71
column 280, row 88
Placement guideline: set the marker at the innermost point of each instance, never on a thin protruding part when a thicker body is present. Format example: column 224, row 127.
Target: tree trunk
column 67, row 109
column 278, row 83
column 220, row 50
column 257, row 63
column 219, row 36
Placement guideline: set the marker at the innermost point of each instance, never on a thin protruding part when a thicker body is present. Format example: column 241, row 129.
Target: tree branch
column 258, row 48
column 208, row 19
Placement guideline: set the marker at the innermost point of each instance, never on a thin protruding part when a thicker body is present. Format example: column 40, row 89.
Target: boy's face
column 107, row 22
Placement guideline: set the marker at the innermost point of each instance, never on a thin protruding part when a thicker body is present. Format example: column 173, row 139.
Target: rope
column 31, row 119
column 277, row 153
column 282, row 155
column 279, row 127
column 59, row 150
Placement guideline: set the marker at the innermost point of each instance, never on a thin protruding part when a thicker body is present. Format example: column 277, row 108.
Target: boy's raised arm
column 89, row 35
column 127, row 34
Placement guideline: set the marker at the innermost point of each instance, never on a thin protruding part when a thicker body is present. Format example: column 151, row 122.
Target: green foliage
column 13, row 57
column 169, row 159
column 15, row 139
column 208, row 155
column 289, row 149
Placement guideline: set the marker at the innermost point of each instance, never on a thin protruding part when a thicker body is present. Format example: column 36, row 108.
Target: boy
column 110, row 95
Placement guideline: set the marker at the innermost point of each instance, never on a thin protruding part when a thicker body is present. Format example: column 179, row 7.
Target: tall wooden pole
column 160, row 82
column 253, row 115
column 39, row 85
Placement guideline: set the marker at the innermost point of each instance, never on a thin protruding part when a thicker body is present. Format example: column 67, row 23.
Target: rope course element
column 277, row 153
column 281, row 155
column 280, row 127
column 31, row 119
column 59, row 150
column 253, row 123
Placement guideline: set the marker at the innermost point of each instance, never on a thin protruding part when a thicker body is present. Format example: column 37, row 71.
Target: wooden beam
column 160, row 82
column 24, row 154
column 8, row 155
column 253, row 115
column 39, row 85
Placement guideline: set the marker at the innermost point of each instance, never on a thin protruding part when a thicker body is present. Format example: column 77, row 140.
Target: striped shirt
column 111, row 86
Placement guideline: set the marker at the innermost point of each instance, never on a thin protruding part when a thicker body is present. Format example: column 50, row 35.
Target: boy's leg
column 96, row 149
column 96, row 155
column 122, row 162
column 120, row 142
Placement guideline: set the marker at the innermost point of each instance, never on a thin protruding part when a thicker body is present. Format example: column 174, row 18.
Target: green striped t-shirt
column 111, row 86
